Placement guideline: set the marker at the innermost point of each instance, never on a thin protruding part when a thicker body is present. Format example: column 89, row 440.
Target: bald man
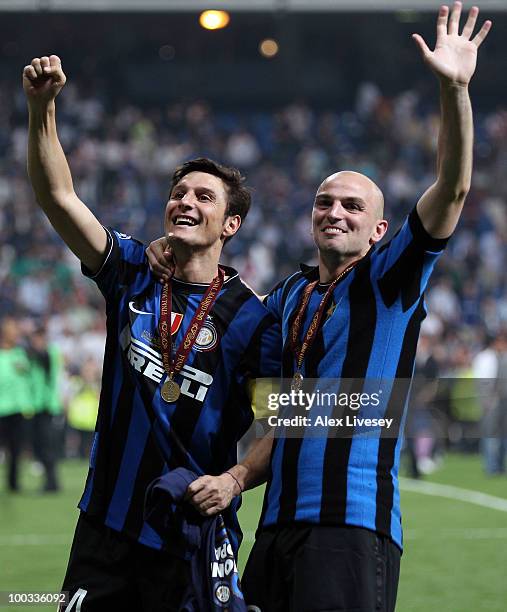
column 330, row 535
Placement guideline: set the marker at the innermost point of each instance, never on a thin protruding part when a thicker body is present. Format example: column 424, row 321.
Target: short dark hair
column 239, row 199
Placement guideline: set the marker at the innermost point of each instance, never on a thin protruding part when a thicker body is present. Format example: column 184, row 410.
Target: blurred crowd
column 48, row 406
column 122, row 158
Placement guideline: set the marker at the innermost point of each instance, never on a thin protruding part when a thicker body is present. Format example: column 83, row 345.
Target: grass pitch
column 455, row 557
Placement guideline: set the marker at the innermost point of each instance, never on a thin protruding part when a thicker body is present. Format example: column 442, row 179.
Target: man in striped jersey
column 177, row 364
column 330, row 533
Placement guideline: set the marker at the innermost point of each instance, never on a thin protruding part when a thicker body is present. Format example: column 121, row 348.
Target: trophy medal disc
column 297, row 382
column 299, row 349
column 170, row 391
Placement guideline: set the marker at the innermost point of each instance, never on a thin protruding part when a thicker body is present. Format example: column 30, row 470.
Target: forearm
column 52, row 183
column 253, row 470
column 440, row 207
column 453, row 61
column 455, row 142
column 47, row 166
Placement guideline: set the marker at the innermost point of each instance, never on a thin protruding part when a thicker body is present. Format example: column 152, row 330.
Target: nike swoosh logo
column 131, row 306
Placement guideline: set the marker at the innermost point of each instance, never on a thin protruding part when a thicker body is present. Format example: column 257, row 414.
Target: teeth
column 333, row 230
column 182, row 220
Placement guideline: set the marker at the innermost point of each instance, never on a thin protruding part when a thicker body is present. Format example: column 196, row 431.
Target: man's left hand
column 455, row 55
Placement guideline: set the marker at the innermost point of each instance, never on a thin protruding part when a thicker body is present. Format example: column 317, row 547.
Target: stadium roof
column 233, row 5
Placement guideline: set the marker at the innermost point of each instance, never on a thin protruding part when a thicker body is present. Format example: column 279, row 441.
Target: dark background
column 322, row 58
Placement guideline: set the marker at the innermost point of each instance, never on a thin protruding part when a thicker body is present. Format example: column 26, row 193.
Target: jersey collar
column 311, row 273
column 231, row 274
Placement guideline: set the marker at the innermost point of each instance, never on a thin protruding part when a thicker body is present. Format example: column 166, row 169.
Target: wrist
column 447, row 86
column 41, row 109
column 236, row 487
column 237, row 475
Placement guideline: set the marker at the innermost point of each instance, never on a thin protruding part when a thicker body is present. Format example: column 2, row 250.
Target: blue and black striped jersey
column 370, row 332
column 139, row 436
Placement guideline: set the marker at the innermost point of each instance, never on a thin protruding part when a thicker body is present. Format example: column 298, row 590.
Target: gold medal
column 299, row 348
column 170, row 391
column 297, row 382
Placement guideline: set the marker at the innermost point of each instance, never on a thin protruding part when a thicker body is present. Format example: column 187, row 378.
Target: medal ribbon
column 299, row 349
column 173, row 366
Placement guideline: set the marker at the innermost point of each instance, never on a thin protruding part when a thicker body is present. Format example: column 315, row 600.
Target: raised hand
column 455, row 55
column 43, row 79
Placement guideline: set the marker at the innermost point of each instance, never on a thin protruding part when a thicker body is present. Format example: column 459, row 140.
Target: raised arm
column 453, row 61
column 49, row 171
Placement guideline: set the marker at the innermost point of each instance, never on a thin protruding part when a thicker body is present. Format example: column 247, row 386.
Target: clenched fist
column 43, row 80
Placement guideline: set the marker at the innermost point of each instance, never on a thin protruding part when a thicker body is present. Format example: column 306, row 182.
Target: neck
column 331, row 266
column 196, row 266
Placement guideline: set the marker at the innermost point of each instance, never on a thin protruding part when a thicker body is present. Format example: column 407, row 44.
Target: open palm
column 455, row 55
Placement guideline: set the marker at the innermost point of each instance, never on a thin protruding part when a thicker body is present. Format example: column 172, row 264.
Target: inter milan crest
column 223, row 593
column 207, row 338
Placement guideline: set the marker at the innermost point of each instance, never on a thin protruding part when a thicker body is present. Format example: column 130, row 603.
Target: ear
column 231, row 226
column 379, row 232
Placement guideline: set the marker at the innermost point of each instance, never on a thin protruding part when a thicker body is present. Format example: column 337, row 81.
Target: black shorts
column 317, row 568
column 107, row 571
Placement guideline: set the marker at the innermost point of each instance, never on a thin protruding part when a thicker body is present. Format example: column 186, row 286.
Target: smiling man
column 346, row 220
column 330, row 535
column 177, row 364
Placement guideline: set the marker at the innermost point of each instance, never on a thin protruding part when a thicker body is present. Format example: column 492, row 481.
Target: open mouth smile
column 184, row 220
column 333, row 230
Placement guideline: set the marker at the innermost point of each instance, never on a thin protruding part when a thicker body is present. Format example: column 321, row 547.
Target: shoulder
column 411, row 234
column 296, row 279
column 246, row 308
column 236, row 295
column 129, row 246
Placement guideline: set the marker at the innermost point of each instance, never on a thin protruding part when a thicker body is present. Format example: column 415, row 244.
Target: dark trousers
column 45, row 447
column 319, row 568
column 12, row 428
column 108, row 571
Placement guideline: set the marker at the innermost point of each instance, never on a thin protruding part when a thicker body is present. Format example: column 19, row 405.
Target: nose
column 187, row 201
column 335, row 212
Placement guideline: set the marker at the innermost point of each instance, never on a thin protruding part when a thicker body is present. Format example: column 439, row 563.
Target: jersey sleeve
column 261, row 365
column 125, row 264
column 263, row 356
column 402, row 267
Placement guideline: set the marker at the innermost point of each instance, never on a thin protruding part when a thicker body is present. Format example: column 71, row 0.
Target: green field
column 455, row 556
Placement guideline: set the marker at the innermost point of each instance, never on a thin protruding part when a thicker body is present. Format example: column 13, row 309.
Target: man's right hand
column 211, row 494
column 43, row 80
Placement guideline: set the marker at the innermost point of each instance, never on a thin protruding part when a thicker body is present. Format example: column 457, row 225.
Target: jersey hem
column 118, row 528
